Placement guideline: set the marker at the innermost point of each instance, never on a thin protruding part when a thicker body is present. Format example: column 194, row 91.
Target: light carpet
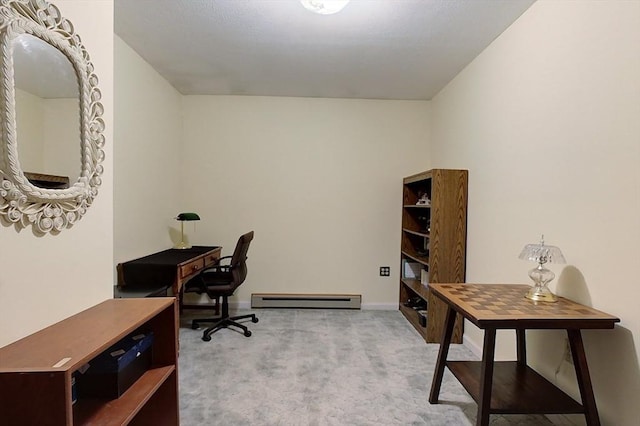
column 321, row 367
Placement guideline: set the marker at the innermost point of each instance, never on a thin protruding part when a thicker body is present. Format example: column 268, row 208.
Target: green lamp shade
column 188, row 216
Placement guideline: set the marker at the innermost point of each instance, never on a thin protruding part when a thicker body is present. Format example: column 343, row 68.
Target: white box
column 424, row 277
column 411, row 270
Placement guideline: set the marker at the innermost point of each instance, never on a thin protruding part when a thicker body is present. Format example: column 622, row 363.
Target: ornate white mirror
column 51, row 127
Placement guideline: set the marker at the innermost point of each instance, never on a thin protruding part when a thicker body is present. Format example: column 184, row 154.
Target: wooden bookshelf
column 36, row 371
column 433, row 236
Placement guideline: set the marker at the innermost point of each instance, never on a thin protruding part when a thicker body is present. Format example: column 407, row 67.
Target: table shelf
column 516, row 389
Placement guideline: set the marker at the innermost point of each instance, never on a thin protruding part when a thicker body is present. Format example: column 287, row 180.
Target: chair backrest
column 239, row 259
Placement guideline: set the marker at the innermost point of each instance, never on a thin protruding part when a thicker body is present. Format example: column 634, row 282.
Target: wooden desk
column 168, row 268
column 511, row 387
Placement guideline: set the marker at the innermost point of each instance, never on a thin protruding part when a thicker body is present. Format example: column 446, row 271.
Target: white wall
column 148, row 157
column 48, row 135
column 45, row 279
column 62, row 137
column 30, row 130
column 546, row 120
column 320, row 174
column 318, row 180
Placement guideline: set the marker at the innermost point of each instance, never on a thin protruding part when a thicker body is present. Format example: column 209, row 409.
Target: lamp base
column 541, row 276
column 541, row 294
column 182, row 244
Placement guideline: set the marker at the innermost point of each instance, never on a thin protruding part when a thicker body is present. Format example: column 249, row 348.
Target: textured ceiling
column 372, row 49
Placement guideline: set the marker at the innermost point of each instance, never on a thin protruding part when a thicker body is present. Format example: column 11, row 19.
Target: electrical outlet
column 385, row 271
column 567, row 352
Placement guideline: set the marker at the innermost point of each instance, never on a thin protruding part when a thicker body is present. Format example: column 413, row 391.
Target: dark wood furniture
column 434, row 237
column 512, row 387
column 47, row 181
column 168, row 268
column 36, row 371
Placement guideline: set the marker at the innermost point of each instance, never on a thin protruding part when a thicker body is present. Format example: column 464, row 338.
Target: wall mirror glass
column 47, row 113
column 51, row 126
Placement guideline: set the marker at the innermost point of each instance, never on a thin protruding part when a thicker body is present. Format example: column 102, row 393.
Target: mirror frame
column 21, row 203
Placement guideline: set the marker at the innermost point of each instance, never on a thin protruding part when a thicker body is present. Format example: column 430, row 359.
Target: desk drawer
column 191, row 267
column 211, row 259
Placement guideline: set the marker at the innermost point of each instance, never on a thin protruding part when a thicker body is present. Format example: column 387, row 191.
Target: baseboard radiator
column 320, row 301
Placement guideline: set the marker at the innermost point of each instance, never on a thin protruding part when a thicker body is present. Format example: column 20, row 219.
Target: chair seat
column 211, row 283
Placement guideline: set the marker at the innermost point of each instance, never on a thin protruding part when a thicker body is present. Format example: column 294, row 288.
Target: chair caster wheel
column 206, row 337
column 194, row 326
column 254, row 319
column 247, row 333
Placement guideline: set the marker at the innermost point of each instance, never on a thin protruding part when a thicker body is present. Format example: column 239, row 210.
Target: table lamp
column 182, row 217
column 540, row 275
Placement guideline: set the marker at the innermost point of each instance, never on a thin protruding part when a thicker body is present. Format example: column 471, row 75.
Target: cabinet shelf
column 123, row 409
column 412, row 316
column 440, row 231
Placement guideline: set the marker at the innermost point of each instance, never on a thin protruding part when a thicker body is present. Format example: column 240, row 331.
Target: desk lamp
column 540, row 275
column 182, row 217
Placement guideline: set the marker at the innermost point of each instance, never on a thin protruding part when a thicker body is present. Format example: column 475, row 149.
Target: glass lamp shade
column 324, row 7
column 540, row 275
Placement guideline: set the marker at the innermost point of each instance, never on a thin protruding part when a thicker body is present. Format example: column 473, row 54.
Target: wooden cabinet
column 36, row 372
column 434, row 240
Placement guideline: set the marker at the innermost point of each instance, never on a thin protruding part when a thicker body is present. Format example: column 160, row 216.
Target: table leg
column 445, row 341
column 486, row 377
column 521, row 346
column 582, row 375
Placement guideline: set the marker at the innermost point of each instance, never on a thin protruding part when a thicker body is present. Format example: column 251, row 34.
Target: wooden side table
column 512, row 387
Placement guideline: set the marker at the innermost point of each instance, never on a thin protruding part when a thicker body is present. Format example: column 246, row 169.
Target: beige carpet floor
column 321, row 368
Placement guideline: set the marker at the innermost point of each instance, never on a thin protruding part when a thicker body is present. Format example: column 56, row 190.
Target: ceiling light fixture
column 324, row 7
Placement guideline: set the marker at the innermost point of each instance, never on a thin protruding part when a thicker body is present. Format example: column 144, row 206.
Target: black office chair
column 221, row 281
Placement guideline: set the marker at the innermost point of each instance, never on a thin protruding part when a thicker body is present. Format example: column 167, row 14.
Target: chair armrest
column 223, row 258
column 217, row 267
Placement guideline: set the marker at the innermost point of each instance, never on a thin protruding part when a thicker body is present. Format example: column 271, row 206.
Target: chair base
column 220, row 323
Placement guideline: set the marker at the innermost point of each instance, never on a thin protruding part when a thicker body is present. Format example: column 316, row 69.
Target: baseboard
column 240, row 305
column 380, row 306
column 246, row 304
column 566, row 419
column 470, row 344
column 304, row 300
